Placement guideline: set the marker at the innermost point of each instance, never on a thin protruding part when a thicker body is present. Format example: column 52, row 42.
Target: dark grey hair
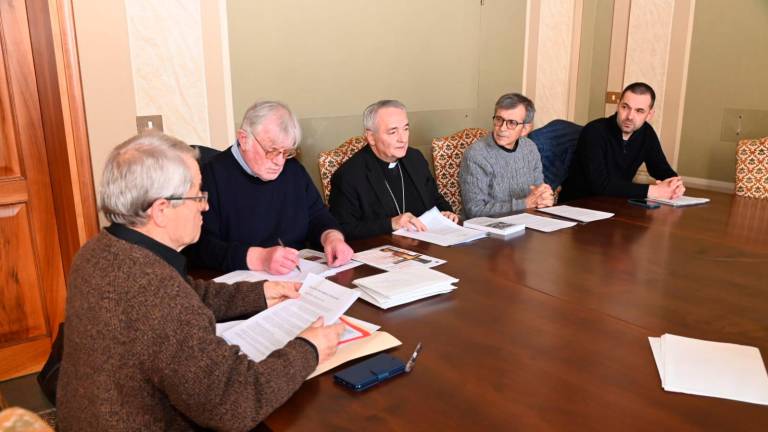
column 514, row 100
column 140, row 171
column 369, row 115
column 260, row 111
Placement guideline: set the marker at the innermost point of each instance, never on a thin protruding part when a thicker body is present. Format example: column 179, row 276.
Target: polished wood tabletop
column 548, row 331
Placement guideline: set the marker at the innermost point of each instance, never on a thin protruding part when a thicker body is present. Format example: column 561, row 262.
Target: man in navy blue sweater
column 263, row 204
column 611, row 149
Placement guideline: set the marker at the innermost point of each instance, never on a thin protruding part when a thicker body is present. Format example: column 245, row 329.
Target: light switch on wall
column 149, row 122
column 739, row 124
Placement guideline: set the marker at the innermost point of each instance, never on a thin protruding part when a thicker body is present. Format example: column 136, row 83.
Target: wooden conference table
column 549, row 331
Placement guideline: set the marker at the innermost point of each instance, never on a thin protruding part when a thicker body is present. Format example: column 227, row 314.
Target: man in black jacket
column 385, row 185
column 611, row 149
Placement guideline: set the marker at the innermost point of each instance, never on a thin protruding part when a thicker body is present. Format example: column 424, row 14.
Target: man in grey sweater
column 501, row 173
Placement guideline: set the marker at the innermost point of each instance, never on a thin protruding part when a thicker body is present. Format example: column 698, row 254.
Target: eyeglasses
column 498, row 121
column 274, row 153
column 200, row 199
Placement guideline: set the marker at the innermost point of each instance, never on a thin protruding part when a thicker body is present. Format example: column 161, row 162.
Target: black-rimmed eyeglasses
column 498, row 121
column 200, row 199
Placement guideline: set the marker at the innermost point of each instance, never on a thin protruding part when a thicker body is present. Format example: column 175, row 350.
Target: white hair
column 370, row 113
column 140, row 171
column 260, row 111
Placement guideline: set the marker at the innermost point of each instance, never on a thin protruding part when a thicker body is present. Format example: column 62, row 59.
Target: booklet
column 681, row 201
column 441, row 230
column 494, row 226
column 538, row 223
column 389, row 258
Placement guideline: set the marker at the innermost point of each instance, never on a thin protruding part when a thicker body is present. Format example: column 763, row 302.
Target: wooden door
column 31, row 275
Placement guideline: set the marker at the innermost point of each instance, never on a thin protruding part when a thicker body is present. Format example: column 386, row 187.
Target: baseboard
column 693, row 182
column 713, row 185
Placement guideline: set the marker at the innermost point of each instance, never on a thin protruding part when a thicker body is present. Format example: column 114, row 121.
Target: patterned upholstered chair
column 446, row 154
column 331, row 160
column 752, row 168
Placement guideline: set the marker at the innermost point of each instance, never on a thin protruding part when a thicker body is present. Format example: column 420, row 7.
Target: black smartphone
column 645, row 203
column 368, row 373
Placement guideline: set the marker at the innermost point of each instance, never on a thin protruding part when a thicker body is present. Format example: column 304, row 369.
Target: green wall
column 728, row 70
column 594, row 56
column 447, row 60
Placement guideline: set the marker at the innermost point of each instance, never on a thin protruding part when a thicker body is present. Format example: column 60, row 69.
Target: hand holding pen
column 297, row 258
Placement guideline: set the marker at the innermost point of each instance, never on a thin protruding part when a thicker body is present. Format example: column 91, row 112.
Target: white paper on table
column 441, row 230
column 271, row 329
column 657, row 356
column 576, row 213
column 538, row 223
column 681, row 201
column 715, row 369
column 390, row 258
column 310, row 261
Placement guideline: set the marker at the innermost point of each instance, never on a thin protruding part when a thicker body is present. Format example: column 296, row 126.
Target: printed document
column 310, row 262
column 576, row 213
column 271, row 329
column 681, row 201
column 538, row 223
column 441, row 230
column 713, row 369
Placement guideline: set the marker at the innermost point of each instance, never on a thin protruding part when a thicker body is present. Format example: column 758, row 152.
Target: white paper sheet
column 441, row 230
column 715, row 369
column 310, row 261
column 273, row 328
column 576, row 213
column 538, row 223
column 681, row 201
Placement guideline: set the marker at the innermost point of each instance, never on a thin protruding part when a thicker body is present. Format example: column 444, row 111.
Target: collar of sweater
column 170, row 256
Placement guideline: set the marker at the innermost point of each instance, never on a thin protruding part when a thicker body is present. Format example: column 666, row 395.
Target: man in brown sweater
column 141, row 351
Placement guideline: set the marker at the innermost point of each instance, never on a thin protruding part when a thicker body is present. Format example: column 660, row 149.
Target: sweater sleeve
column 209, row 381
column 655, row 161
column 320, row 218
column 230, row 301
column 475, row 176
column 594, row 160
column 347, row 209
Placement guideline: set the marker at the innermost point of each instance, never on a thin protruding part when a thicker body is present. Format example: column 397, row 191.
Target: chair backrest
column 752, row 168
column 556, row 142
column 446, row 155
column 331, row 160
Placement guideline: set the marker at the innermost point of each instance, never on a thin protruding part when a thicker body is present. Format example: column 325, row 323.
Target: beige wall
column 447, row 61
column 597, row 16
column 728, row 65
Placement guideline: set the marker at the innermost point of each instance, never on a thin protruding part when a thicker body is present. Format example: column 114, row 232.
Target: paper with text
column 576, row 213
column 441, row 230
column 310, row 261
column 538, row 223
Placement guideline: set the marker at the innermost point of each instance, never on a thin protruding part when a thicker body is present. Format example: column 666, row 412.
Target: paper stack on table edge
column 576, row 213
column 390, row 289
column 706, row 368
column 681, row 201
column 441, row 230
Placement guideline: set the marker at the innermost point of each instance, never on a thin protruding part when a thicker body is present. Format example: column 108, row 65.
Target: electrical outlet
column 612, row 97
column 154, row 122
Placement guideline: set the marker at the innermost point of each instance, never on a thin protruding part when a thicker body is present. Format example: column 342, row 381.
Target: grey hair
column 514, row 100
column 140, row 171
column 370, row 113
column 260, row 111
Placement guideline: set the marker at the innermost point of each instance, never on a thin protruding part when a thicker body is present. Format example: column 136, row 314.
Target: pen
column 282, row 245
column 412, row 360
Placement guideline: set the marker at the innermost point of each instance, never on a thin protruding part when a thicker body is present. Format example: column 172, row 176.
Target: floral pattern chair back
column 446, row 155
column 331, row 160
column 752, row 168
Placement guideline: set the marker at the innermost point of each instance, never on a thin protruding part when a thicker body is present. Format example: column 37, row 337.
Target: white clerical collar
column 392, row 165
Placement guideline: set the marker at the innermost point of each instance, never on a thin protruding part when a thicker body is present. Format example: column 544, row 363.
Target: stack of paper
column 538, row 223
column 494, row 226
column 389, row 258
column 707, row 368
column 271, row 329
column 390, row 289
column 310, row 262
column 681, row 201
column 441, row 230
column 576, row 213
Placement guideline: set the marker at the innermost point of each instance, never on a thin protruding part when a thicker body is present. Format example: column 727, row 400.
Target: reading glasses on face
column 274, row 153
column 200, row 199
column 499, row 121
